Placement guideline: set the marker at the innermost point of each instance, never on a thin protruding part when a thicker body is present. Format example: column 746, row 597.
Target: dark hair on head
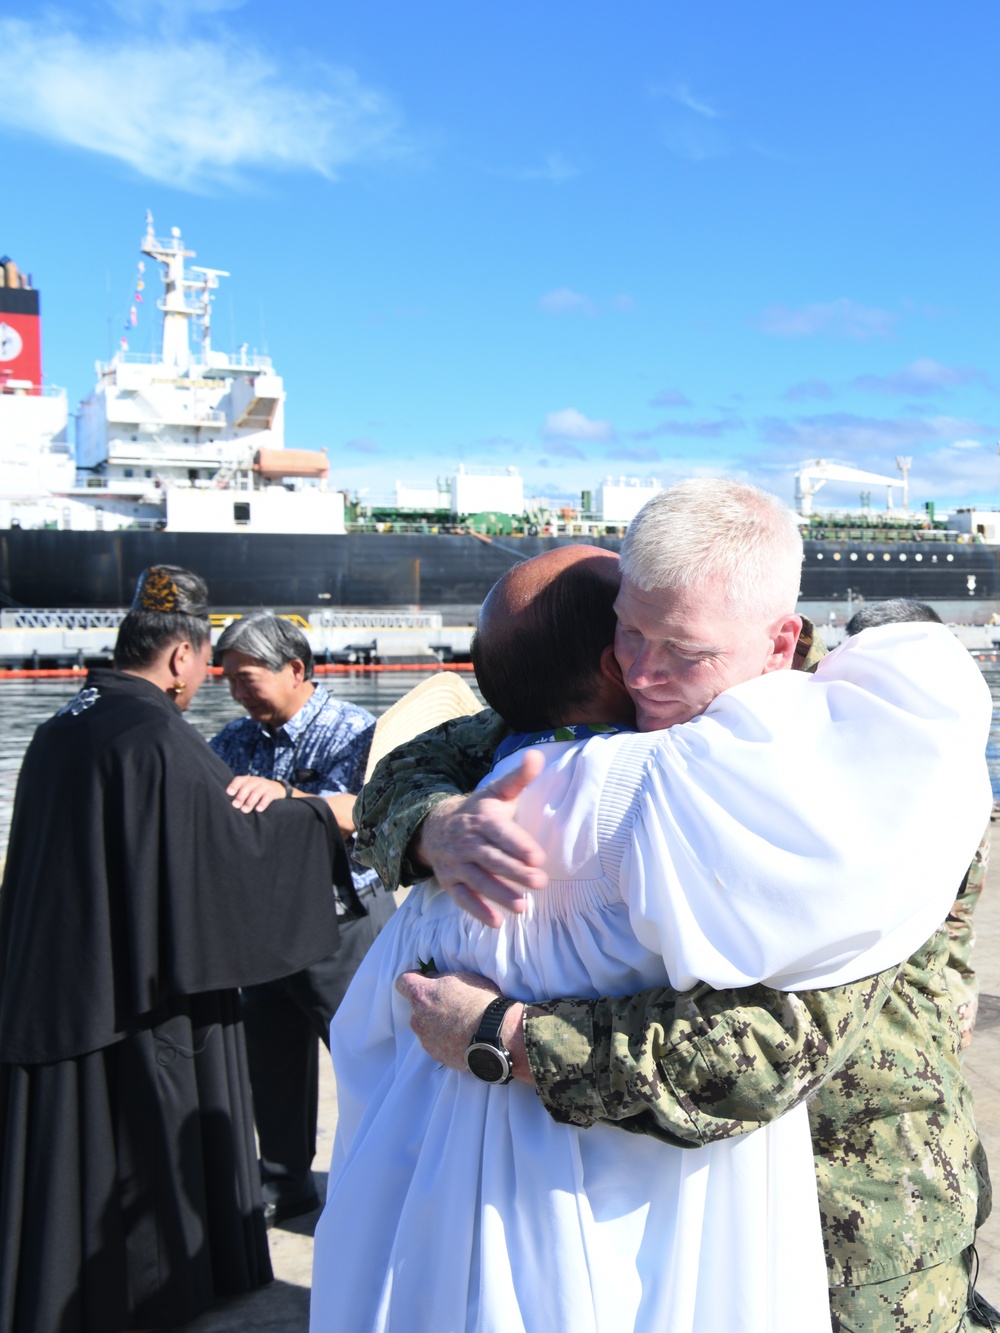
column 170, row 605
column 546, row 660
column 893, row 611
column 270, row 640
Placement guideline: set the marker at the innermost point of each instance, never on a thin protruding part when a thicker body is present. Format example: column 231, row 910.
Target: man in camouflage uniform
column 962, row 979
column 901, row 1176
column 961, row 934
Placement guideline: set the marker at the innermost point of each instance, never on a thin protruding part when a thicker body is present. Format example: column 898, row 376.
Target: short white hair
column 711, row 528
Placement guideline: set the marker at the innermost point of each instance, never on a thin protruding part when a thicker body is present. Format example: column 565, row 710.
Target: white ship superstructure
column 189, row 438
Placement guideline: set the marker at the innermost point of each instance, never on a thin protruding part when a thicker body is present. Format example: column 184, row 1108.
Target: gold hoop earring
column 178, row 687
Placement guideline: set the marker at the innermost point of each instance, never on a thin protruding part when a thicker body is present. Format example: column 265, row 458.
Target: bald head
column 542, row 632
column 518, row 591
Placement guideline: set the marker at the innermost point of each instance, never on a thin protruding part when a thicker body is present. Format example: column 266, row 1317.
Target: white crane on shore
column 816, row 473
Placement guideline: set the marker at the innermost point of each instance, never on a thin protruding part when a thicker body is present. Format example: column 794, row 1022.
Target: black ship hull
column 48, row 569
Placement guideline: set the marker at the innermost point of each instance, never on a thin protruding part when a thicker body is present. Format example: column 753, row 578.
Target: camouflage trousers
column 936, row 1300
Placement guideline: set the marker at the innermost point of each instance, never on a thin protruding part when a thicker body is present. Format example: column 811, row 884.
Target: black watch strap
column 492, row 1021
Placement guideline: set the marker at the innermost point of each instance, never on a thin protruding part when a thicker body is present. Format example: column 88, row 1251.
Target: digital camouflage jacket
column 901, row 1176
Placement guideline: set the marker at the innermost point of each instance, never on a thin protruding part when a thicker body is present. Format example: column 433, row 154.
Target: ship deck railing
column 218, row 361
column 33, row 618
column 832, row 533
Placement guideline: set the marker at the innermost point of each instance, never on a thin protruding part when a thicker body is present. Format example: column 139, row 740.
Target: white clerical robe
column 805, row 831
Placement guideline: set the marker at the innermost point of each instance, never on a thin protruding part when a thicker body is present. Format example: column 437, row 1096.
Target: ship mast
column 176, row 310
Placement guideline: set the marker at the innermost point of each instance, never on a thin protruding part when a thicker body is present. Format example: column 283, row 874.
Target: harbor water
column 26, row 703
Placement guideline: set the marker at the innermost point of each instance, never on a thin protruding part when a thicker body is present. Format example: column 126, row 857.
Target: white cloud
column 923, row 376
column 842, row 318
column 564, row 301
column 189, row 111
column 569, row 424
column 845, row 434
column 966, row 444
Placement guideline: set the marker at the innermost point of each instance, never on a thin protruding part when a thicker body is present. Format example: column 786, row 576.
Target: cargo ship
column 179, row 456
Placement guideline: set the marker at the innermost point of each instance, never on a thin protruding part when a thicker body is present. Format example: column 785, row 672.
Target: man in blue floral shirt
column 295, row 741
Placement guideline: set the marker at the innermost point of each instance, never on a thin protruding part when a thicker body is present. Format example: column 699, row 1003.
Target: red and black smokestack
column 20, row 332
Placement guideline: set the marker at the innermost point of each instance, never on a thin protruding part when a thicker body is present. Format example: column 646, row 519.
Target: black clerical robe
column 135, row 900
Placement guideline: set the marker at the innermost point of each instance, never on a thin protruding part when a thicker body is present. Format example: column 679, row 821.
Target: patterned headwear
column 170, row 590
column 156, row 591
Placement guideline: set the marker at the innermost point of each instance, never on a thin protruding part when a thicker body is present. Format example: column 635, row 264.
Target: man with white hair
column 710, row 578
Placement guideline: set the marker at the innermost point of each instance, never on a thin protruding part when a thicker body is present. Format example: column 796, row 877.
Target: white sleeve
column 810, row 830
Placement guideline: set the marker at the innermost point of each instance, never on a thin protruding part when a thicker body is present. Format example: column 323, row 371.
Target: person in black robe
column 135, row 901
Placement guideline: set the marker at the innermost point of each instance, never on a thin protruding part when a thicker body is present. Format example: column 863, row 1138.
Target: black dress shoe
column 281, row 1210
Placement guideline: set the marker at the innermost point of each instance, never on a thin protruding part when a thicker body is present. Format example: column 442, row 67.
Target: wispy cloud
column 699, row 430
column 569, row 424
column 692, row 127
column 166, row 11
column 840, row 434
column 920, row 377
column 556, row 170
column 808, row 390
column 669, row 398
column 363, row 446
column 565, row 301
column 189, row 111
column 842, row 318
column 681, row 94
column 565, row 449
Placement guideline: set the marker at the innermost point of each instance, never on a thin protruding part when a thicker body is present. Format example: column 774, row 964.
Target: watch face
column 486, row 1063
column 10, row 343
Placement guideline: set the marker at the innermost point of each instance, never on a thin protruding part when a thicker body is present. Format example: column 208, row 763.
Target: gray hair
column 893, row 611
column 708, row 527
column 269, row 640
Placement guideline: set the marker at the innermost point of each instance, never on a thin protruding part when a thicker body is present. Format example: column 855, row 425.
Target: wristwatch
column 486, row 1055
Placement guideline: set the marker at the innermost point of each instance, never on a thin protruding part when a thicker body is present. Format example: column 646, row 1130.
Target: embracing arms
column 693, row 1067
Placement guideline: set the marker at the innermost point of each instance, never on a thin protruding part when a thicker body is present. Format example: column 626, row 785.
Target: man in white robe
column 684, row 640
column 695, row 948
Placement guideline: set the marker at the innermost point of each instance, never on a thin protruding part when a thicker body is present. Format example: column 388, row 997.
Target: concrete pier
column 284, row 1306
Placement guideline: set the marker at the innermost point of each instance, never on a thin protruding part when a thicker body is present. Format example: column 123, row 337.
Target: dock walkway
column 283, row 1307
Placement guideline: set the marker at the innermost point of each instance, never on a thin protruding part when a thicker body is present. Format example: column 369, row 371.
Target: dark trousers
column 282, row 1020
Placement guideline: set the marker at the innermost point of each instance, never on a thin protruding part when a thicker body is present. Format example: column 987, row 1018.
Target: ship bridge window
column 241, row 512
column 128, row 472
column 192, row 474
column 149, row 472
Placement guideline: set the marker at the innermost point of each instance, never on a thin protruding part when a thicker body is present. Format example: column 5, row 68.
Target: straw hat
column 435, row 700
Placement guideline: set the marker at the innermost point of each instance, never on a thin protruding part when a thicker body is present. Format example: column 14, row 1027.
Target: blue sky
column 651, row 239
